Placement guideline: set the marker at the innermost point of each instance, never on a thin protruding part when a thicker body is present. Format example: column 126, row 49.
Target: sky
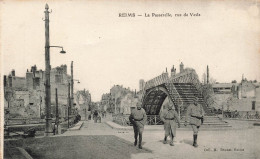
column 108, row 50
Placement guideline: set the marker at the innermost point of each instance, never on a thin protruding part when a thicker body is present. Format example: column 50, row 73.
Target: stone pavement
column 91, row 128
column 235, row 143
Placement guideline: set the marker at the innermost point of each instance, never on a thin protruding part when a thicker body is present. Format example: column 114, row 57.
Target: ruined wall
column 29, row 80
column 127, row 102
column 244, row 104
column 247, row 90
column 62, row 93
column 18, row 82
column 28, row 94
column 18, row 103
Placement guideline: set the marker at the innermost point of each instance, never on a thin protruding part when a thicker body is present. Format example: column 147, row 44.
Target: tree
column 234, row 81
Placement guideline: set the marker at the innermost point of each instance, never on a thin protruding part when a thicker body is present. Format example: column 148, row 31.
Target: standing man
column 169, row 117
column 195, row 113
column 138, row 119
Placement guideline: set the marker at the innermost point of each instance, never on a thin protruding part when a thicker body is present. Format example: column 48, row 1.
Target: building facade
column 25, row 96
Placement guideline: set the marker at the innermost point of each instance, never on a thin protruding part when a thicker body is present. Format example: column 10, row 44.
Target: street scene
column 89, row 83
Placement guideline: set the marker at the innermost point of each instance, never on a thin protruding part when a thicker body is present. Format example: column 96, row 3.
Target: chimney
column 181, row 67
column 13, row 72
column 173, row 71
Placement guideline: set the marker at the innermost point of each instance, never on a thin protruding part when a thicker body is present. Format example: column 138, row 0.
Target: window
column 57, row 78
column 253, row 105
column 37, row 81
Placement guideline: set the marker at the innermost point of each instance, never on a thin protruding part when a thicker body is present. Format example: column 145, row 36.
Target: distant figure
column 95, row 116
column 103, row 114
column 169, row 117
column 196, row 114
column 138, row 119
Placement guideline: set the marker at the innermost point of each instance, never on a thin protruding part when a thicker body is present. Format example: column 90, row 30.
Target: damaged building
column 25, row 96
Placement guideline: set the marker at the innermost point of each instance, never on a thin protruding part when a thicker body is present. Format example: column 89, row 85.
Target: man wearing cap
column 169, row 117
column 195, row 113
column 138, row 119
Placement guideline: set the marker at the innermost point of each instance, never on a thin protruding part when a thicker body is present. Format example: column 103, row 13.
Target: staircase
column 185, row 92
column 210, row 122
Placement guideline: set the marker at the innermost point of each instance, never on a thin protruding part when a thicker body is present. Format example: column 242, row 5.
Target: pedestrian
column 102, row 114
column 169, row 117
column 195, row 114
column 105, row 114
column 95, row 116
column 138, row 119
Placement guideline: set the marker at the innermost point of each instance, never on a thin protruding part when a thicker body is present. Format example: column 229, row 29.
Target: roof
column 222, row 85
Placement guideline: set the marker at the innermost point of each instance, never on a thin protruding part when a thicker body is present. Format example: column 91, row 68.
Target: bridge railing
column 242, row 114
column 173, row 93
column 121, row 119
column 154, row 120
column 163, row 78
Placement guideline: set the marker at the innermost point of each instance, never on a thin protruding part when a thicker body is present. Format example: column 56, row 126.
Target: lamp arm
column 57, row 46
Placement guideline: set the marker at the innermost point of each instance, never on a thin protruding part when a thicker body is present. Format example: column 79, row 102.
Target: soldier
column 138, row 119
column 196, row 113
column 169, row 117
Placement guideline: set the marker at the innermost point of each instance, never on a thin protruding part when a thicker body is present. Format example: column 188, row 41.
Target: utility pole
column 69, row 105
column 57, row 109
column 72, row 86
column 48, row 126
column 207, row 74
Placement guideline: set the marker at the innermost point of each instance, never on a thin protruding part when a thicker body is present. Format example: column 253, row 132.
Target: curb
column 76, row 127
column 24, row 153
column 258, row 120
column 116, row 126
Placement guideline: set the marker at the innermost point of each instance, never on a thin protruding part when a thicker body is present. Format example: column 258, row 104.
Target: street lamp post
column 57, row 110
column 72, row 87
column 48, row 126
column 69, row 105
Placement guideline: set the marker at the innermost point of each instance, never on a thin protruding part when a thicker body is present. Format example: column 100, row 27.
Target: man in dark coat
column 195, row 114
column 138, row 119
column 169, row 117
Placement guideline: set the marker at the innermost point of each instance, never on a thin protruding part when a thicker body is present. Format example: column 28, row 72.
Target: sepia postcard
column 124, row 79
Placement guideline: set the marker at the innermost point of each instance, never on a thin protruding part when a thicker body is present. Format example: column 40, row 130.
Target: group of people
column 96, row 115
column 194, row 115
